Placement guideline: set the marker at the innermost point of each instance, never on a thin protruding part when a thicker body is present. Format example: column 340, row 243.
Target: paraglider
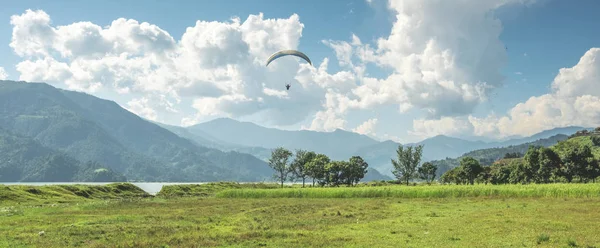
column 286, row 53
column 283, row 53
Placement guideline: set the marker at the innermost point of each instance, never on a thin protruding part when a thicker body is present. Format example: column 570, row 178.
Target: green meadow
column 262, row 215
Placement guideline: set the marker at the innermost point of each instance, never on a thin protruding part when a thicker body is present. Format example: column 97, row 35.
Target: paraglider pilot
column 287, row 86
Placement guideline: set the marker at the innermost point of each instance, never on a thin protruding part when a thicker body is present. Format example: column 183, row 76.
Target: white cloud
column 446, row 125
column 141, row 108
column 343, row 51
column 445, row 57
column 574, row 101
column 217, row 66
column 367, row 127
column 3, row 74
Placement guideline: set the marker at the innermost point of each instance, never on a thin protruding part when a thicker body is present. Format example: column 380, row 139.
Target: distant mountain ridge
column 340, row 144
column 251, row 135
column 84, row 127
column 89, row 128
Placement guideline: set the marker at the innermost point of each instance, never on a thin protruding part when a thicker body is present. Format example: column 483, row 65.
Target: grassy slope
column 437, row 191
column 206, row 222
column 208, row 189
column 382, row 220
column 27, row 195
column 581, row 140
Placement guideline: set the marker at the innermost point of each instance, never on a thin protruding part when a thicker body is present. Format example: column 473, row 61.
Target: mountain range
column 98, row 135
column 229, row 134
column 88, row 128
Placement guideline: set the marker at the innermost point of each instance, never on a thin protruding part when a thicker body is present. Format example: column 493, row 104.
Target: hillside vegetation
column 87, row 128
column 490, row 155
column 23, row 159
column 27, row 195
column 575, row 159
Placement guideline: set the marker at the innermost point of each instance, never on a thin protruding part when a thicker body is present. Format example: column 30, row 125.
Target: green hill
column 24, row 160
column 592, row 140
column 490, row 155
column 88, row 128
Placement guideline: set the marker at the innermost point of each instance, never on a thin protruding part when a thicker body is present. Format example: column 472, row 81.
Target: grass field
column 551, row 220
column 434, row 191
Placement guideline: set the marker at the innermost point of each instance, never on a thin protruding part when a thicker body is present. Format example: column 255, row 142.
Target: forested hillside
column 575, row 159
column 24, row 160
column 488, row 156
column 88, row 128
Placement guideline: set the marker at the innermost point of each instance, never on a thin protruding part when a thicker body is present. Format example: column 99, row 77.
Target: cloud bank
column 441, row 58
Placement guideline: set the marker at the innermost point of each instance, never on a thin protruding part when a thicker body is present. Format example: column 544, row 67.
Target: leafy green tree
column 357, row 169
column 408, row 159
column 300, row 163
column 485, row 176
column 532, row 165
column 549, row 164
column 588, row 164
column 518, row 172
column 336, row 172
column 471, row 168
column 427, row 172
column 513, row 155
column 499, row 174
column 279, row 163
column 316, row 169
column 455, row 175
column 577, row 161
column 448, row 176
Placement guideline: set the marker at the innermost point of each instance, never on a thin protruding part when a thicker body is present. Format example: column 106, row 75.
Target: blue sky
column 541, row 38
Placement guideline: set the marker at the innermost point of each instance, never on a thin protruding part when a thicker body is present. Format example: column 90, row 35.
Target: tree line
column 573, row 162
column 323, row 171
column 318, row 167
column 538, row 165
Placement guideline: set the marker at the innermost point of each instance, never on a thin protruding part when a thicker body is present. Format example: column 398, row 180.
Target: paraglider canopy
column 286, row 53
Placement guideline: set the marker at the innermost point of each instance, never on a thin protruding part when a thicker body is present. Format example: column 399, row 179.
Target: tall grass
column 441, row 191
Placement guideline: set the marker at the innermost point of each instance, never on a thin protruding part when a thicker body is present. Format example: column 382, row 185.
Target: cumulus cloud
column 141, row 107
column 573, row 101
column 367, row 127
column 217, row 66
column 445, row 57
column 3, row 74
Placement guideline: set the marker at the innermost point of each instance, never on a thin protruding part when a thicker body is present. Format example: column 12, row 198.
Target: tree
column 518, row 172
column 471, row 168
column 532, row 164
column 499, row 174
column 357, row 169
column 336, row 172
column 549, row 164
column 300, row 162
column 578, row 161
column 427, row 172
column 513, row 155
column 406, row 165
column 485, row 176
column 316, row 170
column 455, row 175
column 279, row 163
